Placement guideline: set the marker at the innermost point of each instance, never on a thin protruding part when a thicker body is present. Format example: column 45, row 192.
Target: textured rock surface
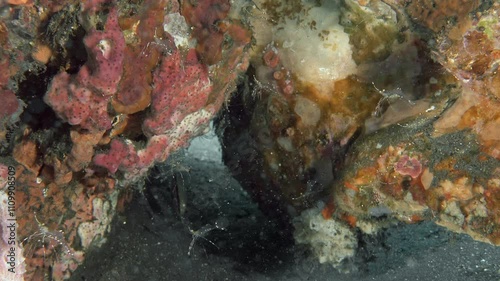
column 96, row 93
column 381, row 111
column 405, row 129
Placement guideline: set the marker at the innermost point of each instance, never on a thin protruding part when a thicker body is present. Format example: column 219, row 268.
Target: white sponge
column 330, row 240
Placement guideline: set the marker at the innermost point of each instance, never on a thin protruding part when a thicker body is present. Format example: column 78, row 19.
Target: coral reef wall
column 94, row 94
column 387, row 111
column 350, row 115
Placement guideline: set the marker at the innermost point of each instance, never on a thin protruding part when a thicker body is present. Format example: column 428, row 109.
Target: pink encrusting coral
column 9, row 105
column 181, row 87
column 134, row 163
column 184, row 94
column 408, row 166
column 150, row 44
column 82, row 99
column 119, row 152
column 123, row 156
column 103, row 70
column 138, row 98
column 180, row 93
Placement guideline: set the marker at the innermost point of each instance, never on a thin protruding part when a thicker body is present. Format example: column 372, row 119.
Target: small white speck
column 379, row 145
column 430, row 109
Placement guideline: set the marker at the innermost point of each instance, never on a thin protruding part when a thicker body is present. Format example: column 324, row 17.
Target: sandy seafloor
column 149, row 242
